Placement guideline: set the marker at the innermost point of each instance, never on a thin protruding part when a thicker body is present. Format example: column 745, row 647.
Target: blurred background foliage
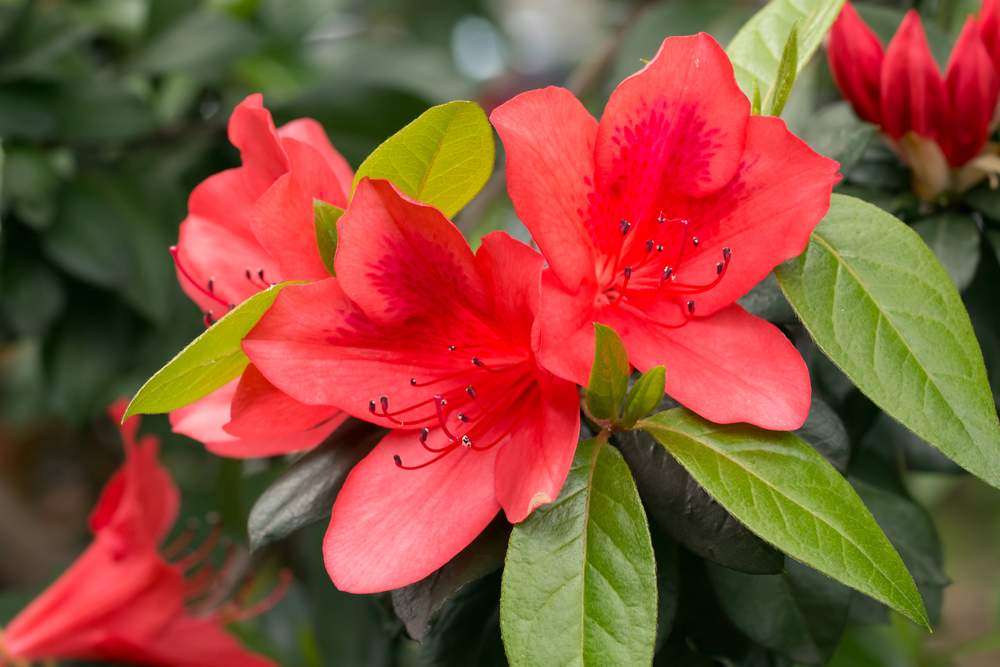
column 112, row 110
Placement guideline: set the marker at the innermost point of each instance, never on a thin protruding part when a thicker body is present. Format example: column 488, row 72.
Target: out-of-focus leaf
column 787, row 493
column 608, row 375
column 981, row 300
column 895, row 443
column 757, row 48
column 688, row 514
column 765, row 300
column 32, row 296
column 799, row 613
column 418, row 604
column 326, row 217
column 825, row 431
column 954, row 238
column 836, row 132
column 30, row 183
column 200, row 44
column 101, row 111
column 879, row 304
column 579, row 585
column 787, row 72
column 645, row 394
column 305, row 492
column 668, row 585
column 984, row 199
column 443, row 158
column 467, row 631
column 207, row 363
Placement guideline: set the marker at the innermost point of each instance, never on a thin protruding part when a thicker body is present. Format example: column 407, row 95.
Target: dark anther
column 690, row 305
column 625, row 225
column 231, row 306
column 649, row 245
column 452, row 348
column 424, row 432
column 211, row 284
column 384, row 401
column 659, row 248
column 208, row 319
column 695, row 241
column 466, row 441
column 399, row 461
column 260, row 274
column 413, row 382
column 371, row 406
column 471, row 391
column 476, row 362
column 246, row 273
column 667, row 272
column 727, row 252
column 462, row 417
column 627, row 271
column 443, row 402
column 718, row 268
column 661, row 218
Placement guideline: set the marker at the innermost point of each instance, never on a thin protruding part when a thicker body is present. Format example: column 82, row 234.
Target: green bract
column 325, row 218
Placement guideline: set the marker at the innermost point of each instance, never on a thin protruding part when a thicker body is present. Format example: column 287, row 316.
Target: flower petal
column 765, row 215
column 973, row 87
column 188, row 641
column 549, row 140
column 565, row 326
column 534, row 460
column 677, row 125
column 397, row 257
column 730, row 367
column 260, row 410
column 391, row 527
column 914, row 98
column 855, row 54
column 310, row 132
column 227, row 200
column 990, row 26
column 512, row 270
column 252, row 130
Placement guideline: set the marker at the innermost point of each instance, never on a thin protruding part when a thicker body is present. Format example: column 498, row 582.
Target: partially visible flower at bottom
column 419, row 335
column 125, row 600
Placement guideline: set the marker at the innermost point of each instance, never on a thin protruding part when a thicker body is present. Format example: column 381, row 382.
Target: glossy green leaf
column 757, row 48
column 879, row 304
column 644, row 396
column 579, row 586
column 954, row 238
column 825, row 431
column 443, row 158
column 207, row 363
column 788, row 494
column 755, row 101
column 608, row 376
column 787, row 72
column 325, row 218
column 305, row 492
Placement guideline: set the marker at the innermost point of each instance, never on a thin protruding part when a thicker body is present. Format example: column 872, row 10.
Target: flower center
column 469, row 407
column 650, row 266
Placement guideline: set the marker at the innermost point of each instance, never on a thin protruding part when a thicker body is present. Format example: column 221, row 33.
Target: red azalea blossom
column 934, row 122
column 248, row 228
column 122, row 600
column 657, row 218
column 419, row 335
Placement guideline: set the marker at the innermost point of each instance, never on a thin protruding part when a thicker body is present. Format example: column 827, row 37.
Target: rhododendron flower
column 657, row 218
column 122, row 600
column 419, row 335
column 937, row 124
column 247, row 228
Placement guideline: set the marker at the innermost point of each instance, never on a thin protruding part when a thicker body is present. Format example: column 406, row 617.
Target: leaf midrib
column 586, row 546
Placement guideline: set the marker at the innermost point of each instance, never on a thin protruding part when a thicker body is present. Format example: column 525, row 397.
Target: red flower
column 121, row 600
column 655, row 220
column 247, row 228
column 904, row 92
column 418, row 334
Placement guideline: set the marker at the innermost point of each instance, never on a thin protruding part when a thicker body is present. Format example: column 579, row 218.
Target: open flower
column 122, row 600
column 421, row 336
column 938, row 125
column 247, row 228
column 655, row 220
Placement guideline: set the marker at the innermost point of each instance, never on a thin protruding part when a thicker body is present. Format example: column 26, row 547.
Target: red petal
column 511, row 270
column 677, row 125
column 549, row 140
column 914, row 98
column 855, row 55
column 397, row 257
column 310, row 132
column 566, row 329
column 391, row 527
column 765, row 215
column 260, row 410
column 973, row 88
column 188, row 642
column 990, row 26
column 252, row 130
column 227, row 200
column 731, row 367
column 533, row 462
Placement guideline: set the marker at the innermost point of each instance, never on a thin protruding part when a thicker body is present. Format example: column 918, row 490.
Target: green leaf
column 644, row 396
column 608, row 376
column 305, row 492
column 443, row 158
column 757, row 48
column 755, row 102
column 579, row 586
column 954, row 238
column 325, row 218
column 882, row 308
column 788, row 494
column 836, row 132
column 787, row 72
column 825, row 431
column 207, row 363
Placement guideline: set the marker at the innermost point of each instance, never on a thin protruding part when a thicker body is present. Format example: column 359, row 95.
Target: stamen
column 466, row 441
column 624, row 225
column 462, row 417
column 650, row 245
column 208, row 318
column 667, row 272
column 471, row 391
column 695, row 241
column 267, row 602
column 452, row 348
column 174, row 253
column 690, row 306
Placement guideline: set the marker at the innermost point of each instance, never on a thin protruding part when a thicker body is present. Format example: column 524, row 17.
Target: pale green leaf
column 783, row 490
column 325, row 217
column 787, row 72
column 882, row 308
column 954, row 238
column 757, row 48
column 442, row 158
column 207, row 363
column 579, row 585
column 644, row 396
column 609, row 374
